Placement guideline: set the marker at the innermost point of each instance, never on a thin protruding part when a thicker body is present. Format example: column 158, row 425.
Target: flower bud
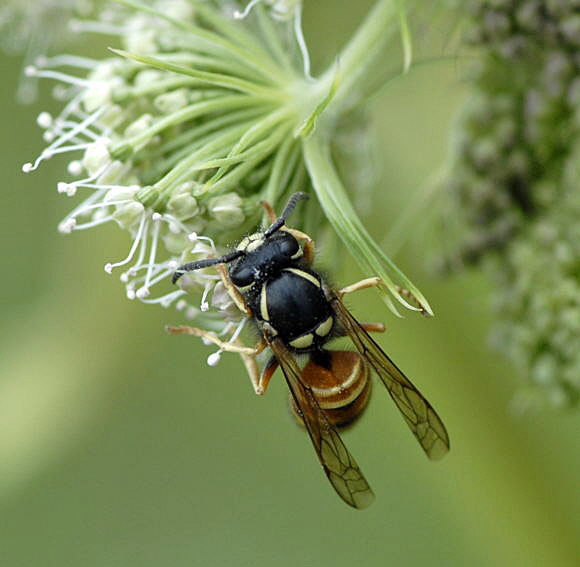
column 147, row 77
column 96, row 157
column 227, row 210
column 139, row 126
column 176, row 241
column 171, row 101
column 127, row 216
column 183, row 206
column 114, row 173
column 100, row 94
column 141, row 41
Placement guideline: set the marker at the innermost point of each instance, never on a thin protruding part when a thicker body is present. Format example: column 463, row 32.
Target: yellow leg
column 363, row 284
column 212, row 337
column 376, row 281
column 368, row 327
column 256, row 378
column 253, row 371
column 233, row 291
column 411, row 298
column 373, row 327
column 267, row 373
column 248, row 354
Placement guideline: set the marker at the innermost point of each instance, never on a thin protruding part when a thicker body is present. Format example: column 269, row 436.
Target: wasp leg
column 374, row 282
column 224, row 345
column 233, row 292
column 363, row 284
column 267, row 373
column 368, row 327
column 251, row 365
column 373, row 327
column 411, row 298
column 307, row 243
column 248, row 354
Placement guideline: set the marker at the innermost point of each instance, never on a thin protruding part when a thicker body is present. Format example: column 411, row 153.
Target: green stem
column 180, row 172
column 243, row 38
column 203, row 77
column 227, row 182
column 213, row 42
column 196, row 132
column 124, row 94
column 272, row 37
column 284, row 164
column 359, row 56
column 257, row 131
column 161, row 167
column 225, row 103
column 350, row 229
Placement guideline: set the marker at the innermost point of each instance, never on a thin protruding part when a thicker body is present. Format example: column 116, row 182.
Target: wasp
column 270, row 278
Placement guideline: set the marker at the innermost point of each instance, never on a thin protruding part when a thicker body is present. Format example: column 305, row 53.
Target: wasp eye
column 242, row 275
column 289, row 245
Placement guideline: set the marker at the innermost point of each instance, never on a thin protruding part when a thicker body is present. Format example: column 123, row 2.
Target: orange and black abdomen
column 340, row 381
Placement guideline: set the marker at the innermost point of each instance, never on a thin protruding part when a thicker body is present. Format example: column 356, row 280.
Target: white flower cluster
column 207, row 110
column 178, row 152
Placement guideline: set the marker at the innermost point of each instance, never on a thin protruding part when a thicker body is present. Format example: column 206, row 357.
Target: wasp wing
column 338, row 464
column 419, row 414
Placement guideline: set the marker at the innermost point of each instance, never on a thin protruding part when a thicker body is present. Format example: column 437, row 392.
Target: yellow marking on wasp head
column 247, row 243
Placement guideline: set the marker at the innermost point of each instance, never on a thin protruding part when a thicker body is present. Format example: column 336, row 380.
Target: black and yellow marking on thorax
column 264, row 304
column 295, row 306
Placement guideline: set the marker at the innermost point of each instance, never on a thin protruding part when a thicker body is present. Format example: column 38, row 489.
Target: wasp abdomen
column 340, row 381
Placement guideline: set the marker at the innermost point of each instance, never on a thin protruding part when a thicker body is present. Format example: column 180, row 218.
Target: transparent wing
column 338, row 464
column 419, row 414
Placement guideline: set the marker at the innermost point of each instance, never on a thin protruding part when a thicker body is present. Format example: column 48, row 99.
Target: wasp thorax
column 263, row 257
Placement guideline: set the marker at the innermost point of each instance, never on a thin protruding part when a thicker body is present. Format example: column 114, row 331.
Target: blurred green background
column 120, row 446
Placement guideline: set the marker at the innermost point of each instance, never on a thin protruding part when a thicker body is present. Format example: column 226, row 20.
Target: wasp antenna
column 292, row 203
column 199, row 264
column 279, row 222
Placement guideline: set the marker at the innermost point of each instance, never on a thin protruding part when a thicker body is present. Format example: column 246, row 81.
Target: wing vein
column 338, row 464
column 421, row 417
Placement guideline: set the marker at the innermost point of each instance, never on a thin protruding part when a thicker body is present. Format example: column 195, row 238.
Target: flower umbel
column 206, row 110
column 514, row 180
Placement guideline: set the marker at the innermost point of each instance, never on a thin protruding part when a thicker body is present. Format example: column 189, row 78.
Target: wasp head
column 263, row 256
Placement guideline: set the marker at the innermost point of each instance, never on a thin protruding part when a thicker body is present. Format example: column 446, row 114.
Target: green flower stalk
column 206, row 110
column 513, row 179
